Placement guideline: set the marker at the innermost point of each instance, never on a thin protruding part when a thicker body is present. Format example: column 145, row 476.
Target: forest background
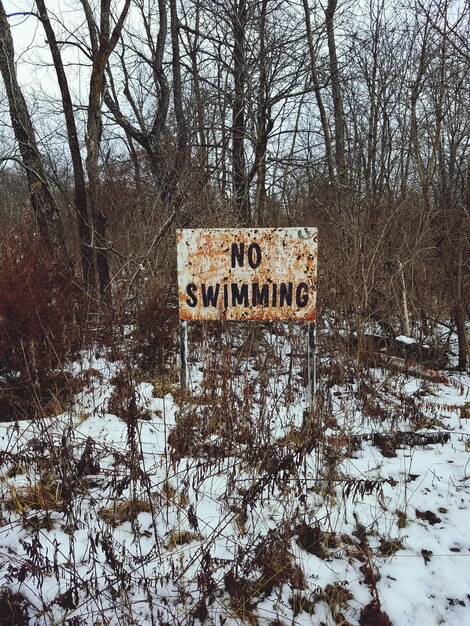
column 122, row 121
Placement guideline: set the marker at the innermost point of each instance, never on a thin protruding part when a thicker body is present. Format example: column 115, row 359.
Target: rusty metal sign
column 247, row 274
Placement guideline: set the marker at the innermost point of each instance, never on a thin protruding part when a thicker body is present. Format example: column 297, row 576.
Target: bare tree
column 318, row 92
column 80, row 188
column 336, row 89
column 239, row 15
column 103, row 39
column 42, row 199
column 148, row 126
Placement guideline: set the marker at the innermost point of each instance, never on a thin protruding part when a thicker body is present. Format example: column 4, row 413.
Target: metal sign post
column 184, row 354
column 312, row 365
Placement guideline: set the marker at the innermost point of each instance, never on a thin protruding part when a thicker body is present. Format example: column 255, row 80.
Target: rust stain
column 247, row 274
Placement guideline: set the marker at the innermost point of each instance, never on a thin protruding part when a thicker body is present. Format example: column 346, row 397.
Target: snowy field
column 230, row 504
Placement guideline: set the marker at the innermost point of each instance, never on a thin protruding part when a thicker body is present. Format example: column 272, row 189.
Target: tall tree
column 181, row 124
column 318, row 93
column 103, row 40
column 239, row 16
column 80, row 189
column 42, row 200
column 147, row 126
column 336, row 91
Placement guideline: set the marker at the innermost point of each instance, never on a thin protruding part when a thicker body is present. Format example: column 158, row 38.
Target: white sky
column 33, row 59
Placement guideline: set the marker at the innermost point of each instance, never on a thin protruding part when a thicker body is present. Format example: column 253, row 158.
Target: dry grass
column 45, row 495
column 182, row 538
column 389, row 547
column 126, row 511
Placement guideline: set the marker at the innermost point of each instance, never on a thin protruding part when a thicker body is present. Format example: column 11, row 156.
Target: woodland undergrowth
column 115, row 531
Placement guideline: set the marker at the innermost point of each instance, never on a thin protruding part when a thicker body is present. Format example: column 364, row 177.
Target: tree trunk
column 150, row 136
column 93, row 140
column 201, row 133
column 318, row 95
column 459, row 309
column 80, row 193
column 102, row 44
column 181, row 126
column 42, row 200
column 336, row 93
column 240, row 186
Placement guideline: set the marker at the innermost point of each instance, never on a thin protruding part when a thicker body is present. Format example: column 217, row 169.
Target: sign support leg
column 184, row 355
column 312, row 365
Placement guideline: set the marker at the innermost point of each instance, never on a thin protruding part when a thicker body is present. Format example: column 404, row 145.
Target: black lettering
column 254, row 255
column 285, row 294
column 239, row 295
column 301, row 299
column 191, row 290
column 210, row 295
column 274, row 300
column 225, row 296
column 260, row 296
column 238, row 254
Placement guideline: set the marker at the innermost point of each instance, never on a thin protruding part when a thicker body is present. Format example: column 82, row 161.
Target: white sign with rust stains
column 247, row 274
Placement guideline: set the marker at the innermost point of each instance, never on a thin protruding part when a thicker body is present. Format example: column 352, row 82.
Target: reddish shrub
column 156, row 324
column 372, row 615
column 37, row 329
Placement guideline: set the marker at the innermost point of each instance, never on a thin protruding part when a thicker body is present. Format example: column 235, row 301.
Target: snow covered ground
column 229, row 504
